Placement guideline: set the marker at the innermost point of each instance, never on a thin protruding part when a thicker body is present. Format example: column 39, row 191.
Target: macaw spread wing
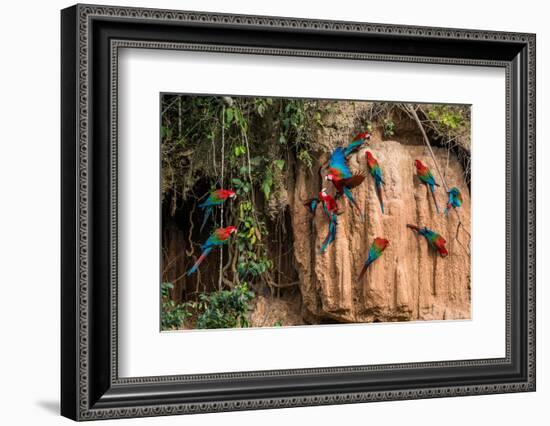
column 338, row 162
column 354, row 181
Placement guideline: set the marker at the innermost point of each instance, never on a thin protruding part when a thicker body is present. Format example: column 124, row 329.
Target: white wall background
column 29, row 211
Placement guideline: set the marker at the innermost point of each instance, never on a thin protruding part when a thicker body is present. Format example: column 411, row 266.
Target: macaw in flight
column 341, row 177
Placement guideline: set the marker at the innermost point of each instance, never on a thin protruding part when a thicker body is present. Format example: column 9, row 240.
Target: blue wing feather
column 353, row 146
column 370, row 259
column 338, row 161
column 213, row 241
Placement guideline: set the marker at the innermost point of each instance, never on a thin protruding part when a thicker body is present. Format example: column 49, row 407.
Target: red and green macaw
column 426, row 176
column 219, row 237
column 376, row 173
column 455, row 199
column 331, row 210
column 436, row 241
column 356, row 143
column 216, row 198
column 329, row 204
column 375, row 251
column 341, row 177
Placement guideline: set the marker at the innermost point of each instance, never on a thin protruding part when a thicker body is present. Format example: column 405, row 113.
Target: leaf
column 256, row 161
column 165, row 132
column 237, row 182
column 229, row 114
column 260, row 108
column 280, row 164
column 239, row 150
column 267, row 184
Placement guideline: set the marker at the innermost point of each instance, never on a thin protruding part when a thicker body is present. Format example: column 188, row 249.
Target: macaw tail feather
column 331, row 233
column 379, row 192
column 447, row 209
column 207, row 213
column 325, row 244
column 198, row 262
column 347, row 193
column 363, row 272
column 325, row 209
column 414, row 227
column 435, row 201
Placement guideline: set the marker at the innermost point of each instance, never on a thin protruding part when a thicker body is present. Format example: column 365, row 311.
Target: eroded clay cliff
column 410, row 281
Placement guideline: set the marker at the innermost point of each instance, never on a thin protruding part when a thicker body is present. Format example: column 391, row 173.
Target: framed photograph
column 263, row 212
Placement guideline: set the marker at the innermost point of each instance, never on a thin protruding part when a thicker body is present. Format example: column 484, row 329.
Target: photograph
column 272, row 208
column 280, row 212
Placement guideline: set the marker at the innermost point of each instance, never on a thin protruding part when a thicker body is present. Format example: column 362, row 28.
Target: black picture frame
column 90, row 386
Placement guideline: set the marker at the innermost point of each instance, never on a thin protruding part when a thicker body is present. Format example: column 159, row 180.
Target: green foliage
column 221, row 309
column 262, row 104
column 251, row 262
column 299, row 120
column 450, row 124
column 388, row 128
column 267, row 183
column 173, row 315
column 447, row 116
column 226, row 308
column 239, row 150
column 165, row 132
column 305, row 157
column 261, row 137
column 280, row 164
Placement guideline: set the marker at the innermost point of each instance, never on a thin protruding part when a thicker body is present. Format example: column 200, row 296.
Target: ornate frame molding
column 82, row 16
